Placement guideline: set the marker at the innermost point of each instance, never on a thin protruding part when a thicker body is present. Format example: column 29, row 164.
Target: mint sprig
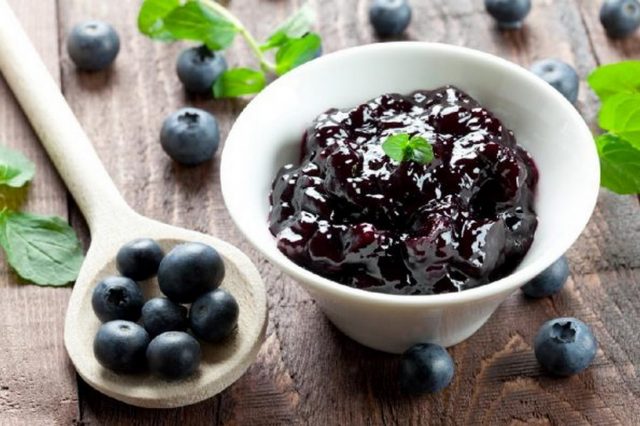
column 402, row 147
column 618, row 87
column 210, row 23
column 41, row 249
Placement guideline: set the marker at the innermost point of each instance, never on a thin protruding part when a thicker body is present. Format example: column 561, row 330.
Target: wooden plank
column 307, row 372
column 37, row 382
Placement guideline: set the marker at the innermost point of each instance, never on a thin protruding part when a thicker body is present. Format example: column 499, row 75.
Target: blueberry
column 190, row 136
column 550, row 281
column 93, row 45
column 620, row 18
column 214, row 316
column 160, row 315
column 425, row 368
column 120, row 346
column 173, row 355
column 560, row 75
column 508, row 13
column 389, row 17
column 198, row 68
column 189, row 271
column 565, row 346
column 139, row 259
column 117, row 298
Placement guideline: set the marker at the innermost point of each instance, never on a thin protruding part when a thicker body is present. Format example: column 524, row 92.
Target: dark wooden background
column 307, row 372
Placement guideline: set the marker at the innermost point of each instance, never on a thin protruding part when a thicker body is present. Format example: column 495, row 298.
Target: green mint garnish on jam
column 206, row 21
column 402, row 147
column 41, row 249
column 618, row 87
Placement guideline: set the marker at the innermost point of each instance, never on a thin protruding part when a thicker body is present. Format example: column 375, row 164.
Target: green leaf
column 621, row 77
column 41, row 249
column 15, row 169
column 296, row 26
column 401, row 147
column 620, row 115
column 239, row 81
column 421, row 150
column 619, row 164
column 395, row 146
column 194, row 21
column 296, row 52
column 151, row 18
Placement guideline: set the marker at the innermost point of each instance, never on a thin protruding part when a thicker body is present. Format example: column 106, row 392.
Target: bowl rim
column 492, row 289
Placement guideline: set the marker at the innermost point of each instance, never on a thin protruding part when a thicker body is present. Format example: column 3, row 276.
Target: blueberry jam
column 350, row 213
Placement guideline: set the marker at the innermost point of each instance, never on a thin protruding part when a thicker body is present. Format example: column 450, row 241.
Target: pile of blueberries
column 563, row 346
column 189, row 273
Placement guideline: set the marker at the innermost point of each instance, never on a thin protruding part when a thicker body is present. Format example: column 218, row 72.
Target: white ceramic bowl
column 267, row 135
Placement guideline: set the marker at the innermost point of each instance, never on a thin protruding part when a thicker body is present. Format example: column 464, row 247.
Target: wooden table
column 307, row 372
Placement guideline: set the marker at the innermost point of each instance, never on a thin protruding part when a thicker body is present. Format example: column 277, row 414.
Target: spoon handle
column 57, row 127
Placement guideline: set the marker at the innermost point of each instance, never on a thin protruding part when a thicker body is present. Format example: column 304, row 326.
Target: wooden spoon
column 112, row 223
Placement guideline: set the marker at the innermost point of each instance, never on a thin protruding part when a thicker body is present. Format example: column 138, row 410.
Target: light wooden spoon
column 112, row 223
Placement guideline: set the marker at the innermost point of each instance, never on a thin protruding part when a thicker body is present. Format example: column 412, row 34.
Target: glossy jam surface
column 352, row 214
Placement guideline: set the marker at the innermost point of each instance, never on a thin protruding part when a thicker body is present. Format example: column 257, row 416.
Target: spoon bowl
column 113, row 223
column 221, row 365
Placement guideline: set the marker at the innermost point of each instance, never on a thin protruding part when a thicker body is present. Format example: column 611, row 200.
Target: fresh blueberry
column 120, row 346
column 117, row 298
column 560, row 75
column 620, row 18
column 214, row 316
column 93, row 45
column 508, row 13
column 160, row 315
column 565, row 346
column 425, row 368
column 139, row 259
column 190, row 136
column 389, row 17
column 173, row 355
column 548, row 282
column 189, row 271
column 198, row 68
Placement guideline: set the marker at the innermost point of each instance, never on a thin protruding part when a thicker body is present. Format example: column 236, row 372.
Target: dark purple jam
column 350, row 213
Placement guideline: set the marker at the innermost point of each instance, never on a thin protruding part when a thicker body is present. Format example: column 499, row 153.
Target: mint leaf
column 296, row 52
column 619, row 164
column 620, row 115
column 395, row 146
column 239, row 81
column 194, row 21
column 41, row 249
column 621, row 77
column 296, row 26
column 401, row 147
column 421, row 150
column 15, row 169
column 151, row 18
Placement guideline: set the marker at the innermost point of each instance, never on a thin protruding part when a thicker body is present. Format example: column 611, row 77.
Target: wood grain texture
column 37, row 382
column 307, row 372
